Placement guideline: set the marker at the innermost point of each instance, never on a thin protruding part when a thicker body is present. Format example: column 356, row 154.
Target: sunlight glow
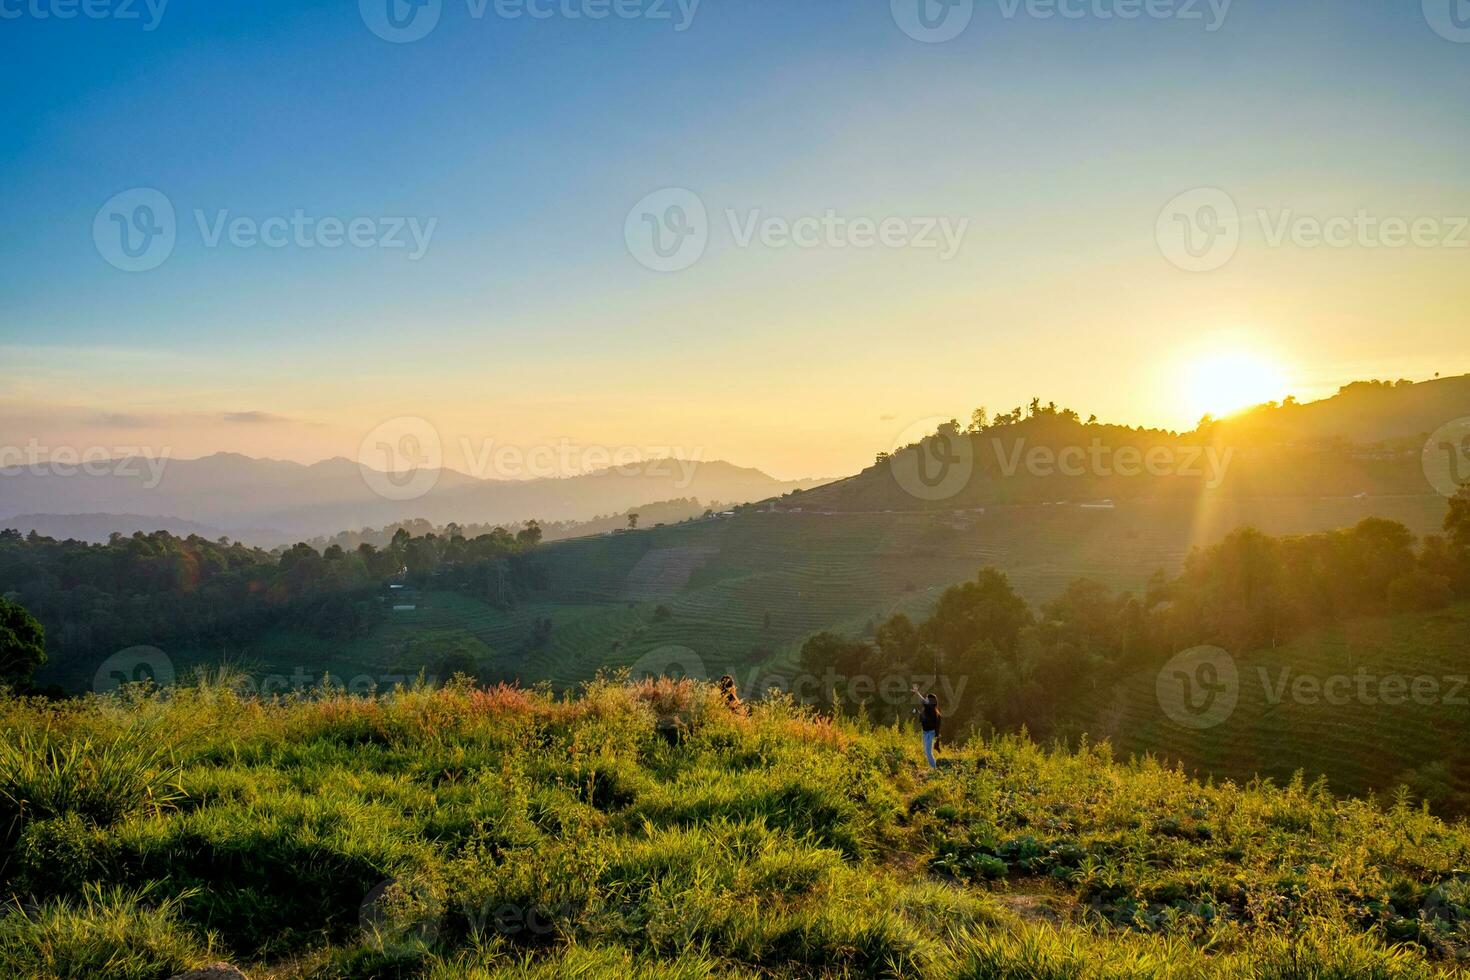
column 1227, row 382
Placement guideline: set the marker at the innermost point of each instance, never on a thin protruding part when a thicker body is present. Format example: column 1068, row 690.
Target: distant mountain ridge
column 256, row 499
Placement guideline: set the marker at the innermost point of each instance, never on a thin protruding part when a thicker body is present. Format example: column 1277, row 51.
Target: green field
column 745, row 592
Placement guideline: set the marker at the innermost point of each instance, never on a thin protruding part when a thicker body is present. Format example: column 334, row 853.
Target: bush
column 109, row 933
column 101, row 782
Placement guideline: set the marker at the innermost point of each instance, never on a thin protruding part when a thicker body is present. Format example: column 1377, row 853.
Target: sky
column 778, row 232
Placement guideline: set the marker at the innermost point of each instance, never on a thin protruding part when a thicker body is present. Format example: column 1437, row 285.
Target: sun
column 1226, row 382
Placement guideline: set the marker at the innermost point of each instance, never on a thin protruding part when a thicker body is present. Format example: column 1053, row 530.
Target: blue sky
column 527, row 141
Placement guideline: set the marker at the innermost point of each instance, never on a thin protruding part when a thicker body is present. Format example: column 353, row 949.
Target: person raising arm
column 929, row 722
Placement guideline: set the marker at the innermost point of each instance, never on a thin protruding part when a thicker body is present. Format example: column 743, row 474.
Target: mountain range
column 1366, row 439
column 269, row 502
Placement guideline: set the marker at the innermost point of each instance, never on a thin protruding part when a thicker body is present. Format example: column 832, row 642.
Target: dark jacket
column 929, row 718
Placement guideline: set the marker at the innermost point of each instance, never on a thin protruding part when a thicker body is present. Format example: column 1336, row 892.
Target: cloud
column 251, row 418
column 119, row 420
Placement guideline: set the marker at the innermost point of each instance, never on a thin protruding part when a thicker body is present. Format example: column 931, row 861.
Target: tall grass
column 41, row 778
column 105, row 932
column 461, row 832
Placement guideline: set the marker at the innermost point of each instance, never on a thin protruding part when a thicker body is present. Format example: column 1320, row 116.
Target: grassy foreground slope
column 647, row 830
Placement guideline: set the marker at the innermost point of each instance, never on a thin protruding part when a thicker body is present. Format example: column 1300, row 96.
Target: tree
column 827, row 657
column 446, row 653
column 632, row 522
column 1455, row 563
column 975, row 614
column 1457, row 521
column 530, row 535
column 22, row 644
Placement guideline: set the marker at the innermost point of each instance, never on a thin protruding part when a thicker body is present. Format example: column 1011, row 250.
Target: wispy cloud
column 120, row 420
column 252, row 418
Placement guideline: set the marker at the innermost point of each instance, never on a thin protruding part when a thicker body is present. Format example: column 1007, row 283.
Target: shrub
column 101, row 782
column 109, row 933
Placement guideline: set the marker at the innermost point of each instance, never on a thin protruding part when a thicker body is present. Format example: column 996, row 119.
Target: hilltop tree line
column 664, row 511
column 1042, row 452
column 1249, row 591
column 161, row 590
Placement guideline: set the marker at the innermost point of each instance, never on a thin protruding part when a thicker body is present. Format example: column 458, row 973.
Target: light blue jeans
column 929, row 738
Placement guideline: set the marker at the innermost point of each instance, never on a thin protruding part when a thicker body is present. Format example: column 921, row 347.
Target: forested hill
column 1371, row 439
column 159, row 590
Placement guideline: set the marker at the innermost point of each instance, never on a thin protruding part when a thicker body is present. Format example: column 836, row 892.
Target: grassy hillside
column 478, row 833
column 745, row 592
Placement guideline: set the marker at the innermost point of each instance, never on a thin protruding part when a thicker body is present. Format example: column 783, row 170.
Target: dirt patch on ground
column 1047, row 907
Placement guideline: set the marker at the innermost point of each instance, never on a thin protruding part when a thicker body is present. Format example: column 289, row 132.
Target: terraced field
column 1366, row 703
column 770, row 579
column 744, row 592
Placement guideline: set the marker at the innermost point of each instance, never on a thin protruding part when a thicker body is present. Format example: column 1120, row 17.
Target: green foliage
column 446, row 653
column 97, row 781
column 22, row 644
column 165, row 591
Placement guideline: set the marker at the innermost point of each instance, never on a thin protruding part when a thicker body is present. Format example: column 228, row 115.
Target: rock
column 214, row 971
column 671, row 730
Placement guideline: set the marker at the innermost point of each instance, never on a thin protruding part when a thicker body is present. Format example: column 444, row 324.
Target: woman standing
column 929, row 720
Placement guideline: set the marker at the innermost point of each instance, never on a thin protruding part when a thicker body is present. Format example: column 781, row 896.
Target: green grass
column 100, row 933
column 502, row 833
